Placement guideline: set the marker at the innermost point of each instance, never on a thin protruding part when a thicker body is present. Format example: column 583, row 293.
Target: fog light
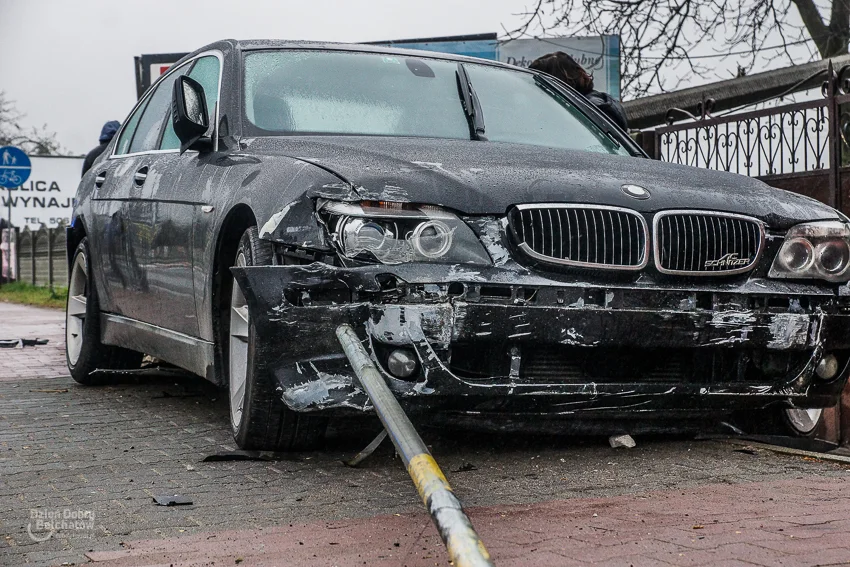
column 401, row 363
column 827, row 367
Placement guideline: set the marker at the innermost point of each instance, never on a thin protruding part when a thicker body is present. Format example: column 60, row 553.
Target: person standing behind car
column 563, row 67
column 106, row 134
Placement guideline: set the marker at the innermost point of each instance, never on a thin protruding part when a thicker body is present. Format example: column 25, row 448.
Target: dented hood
column 488, row 177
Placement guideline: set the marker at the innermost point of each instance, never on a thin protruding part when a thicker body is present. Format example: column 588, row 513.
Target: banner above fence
column 47, row 197
column 599, row 55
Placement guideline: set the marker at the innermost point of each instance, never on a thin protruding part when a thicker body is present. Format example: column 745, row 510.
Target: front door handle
column 100, row 179
column 141, row 175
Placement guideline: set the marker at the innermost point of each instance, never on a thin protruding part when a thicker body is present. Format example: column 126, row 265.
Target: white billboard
column 599, row 55
column 47, row 197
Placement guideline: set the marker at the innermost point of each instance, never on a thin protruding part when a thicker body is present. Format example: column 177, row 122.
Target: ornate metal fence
column 801, row 147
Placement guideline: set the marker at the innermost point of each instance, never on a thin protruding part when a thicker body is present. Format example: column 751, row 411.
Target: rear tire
column 791, row 422
column 802, row 422
column 259, row 418
column 84, row 353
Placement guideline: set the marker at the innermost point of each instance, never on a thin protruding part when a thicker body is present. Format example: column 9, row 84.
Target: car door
column 117, row 271
column 159, row 230
column 176, row 205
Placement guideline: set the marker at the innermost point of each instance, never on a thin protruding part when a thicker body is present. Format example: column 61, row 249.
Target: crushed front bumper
column 495, row 340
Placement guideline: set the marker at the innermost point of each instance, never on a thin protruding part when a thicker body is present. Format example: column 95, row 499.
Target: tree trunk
column 832, row 39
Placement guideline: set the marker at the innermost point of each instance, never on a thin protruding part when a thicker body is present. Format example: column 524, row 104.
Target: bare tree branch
column 35, row 141
column 659, row 38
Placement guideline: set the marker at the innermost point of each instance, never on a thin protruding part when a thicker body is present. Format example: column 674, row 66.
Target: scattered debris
column 190, row 468
column 249, row 456
column 189, row 394
column 368, row 450
column 617, row 441
column 732, row 428
column 235, row 456
column 21, row 343
column 172, row 500
column 746, row 450
column 698, row 527
column 51, row 390
column 466, row 467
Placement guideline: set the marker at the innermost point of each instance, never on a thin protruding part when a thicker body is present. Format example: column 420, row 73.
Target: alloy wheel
column 75, row 313
column 804, row 420
column 238, row 358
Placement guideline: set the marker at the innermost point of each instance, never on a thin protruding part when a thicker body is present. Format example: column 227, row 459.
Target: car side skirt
column 191, row 353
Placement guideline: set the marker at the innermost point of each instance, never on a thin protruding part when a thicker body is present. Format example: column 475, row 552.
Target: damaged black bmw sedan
column 505, row 253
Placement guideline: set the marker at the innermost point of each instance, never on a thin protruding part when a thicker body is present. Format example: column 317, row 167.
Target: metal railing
column 801, row 147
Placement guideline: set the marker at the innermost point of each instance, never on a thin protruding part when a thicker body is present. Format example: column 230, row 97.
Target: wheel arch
column 74, row 234
column 238, row 220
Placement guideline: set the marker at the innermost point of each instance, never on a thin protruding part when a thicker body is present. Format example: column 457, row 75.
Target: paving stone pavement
column 22, row 322
column 107, row 451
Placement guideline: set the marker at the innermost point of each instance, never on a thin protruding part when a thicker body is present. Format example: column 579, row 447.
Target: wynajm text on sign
column 47, row 197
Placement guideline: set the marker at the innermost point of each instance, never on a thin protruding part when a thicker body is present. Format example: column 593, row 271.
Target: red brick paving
column 795, row 522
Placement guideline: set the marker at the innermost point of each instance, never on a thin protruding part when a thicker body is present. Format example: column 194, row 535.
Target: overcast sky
column 69, row 64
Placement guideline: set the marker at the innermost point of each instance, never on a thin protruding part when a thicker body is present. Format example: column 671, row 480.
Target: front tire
column 84, row 353
column 259, row 418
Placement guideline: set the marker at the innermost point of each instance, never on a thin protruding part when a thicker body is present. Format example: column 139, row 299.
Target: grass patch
column 26, row 294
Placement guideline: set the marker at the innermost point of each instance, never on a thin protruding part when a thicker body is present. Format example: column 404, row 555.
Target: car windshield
column 342, row 93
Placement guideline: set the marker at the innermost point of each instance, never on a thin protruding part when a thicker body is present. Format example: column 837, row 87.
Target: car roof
column 264, row 44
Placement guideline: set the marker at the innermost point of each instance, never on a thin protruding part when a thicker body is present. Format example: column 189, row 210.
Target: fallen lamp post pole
column 462, row 542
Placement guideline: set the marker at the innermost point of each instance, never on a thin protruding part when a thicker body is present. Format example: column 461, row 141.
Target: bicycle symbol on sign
column 10, row 178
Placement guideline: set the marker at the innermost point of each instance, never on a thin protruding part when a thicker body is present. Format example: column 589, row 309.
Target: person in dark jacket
column 106, row 134
column 563, row 67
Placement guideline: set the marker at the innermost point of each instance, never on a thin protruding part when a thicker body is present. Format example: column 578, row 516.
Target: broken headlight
column 394, row 233
column 814, row 250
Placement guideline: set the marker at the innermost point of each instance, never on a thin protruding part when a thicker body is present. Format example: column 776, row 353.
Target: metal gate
column 801, row 147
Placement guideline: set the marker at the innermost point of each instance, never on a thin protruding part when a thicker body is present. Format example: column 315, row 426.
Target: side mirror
column 189, row 111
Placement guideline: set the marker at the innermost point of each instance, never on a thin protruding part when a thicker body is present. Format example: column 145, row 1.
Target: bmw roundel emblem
column 635, row 191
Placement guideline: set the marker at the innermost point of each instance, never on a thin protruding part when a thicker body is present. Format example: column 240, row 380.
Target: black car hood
column 489, row 177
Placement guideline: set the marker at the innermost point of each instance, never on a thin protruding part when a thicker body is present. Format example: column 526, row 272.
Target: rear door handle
column 141, row 175
column 100, row 179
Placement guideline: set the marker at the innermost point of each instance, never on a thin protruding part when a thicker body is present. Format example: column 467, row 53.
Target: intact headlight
column 394, row 233
column 814, row 250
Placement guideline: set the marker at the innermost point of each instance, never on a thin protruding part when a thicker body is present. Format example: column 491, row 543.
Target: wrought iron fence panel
column 787, row 139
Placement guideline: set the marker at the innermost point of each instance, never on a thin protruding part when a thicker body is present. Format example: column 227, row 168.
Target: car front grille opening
column 584, row 236
column 560, row 364
column 696, row 243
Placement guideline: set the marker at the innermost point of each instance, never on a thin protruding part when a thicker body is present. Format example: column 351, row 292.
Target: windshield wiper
column 471, row 105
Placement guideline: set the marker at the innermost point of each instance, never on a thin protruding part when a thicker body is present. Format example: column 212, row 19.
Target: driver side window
column 207, row 71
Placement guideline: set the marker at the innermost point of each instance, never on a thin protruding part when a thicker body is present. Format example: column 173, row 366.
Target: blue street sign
column 15, row 167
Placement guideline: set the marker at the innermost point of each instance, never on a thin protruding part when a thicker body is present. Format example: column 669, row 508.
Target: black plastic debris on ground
column 249, row 456
column 172, row 500
column 21, row 343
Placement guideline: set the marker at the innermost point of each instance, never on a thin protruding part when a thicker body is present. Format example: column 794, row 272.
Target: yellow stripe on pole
column 427, row 476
